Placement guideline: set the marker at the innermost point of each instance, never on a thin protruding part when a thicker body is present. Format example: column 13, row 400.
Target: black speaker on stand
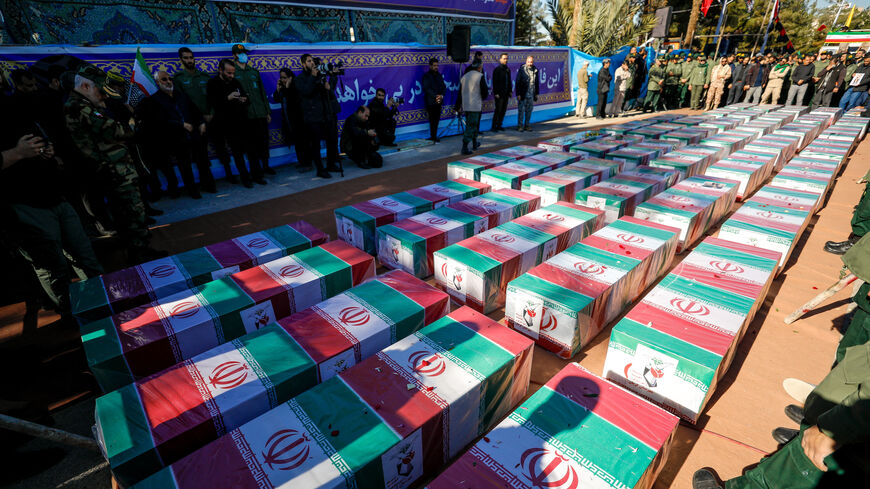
column 663, row 22
column 459, row 43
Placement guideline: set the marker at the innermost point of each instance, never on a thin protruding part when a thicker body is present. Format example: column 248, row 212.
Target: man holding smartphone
column 383, row 117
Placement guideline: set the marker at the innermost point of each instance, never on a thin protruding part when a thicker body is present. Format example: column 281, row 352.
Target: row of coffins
column 146, row 339
column 157, row 420
column 476, row 271
column 386, row 422
column 620, row 195
column 124, row 289
column 356, row 224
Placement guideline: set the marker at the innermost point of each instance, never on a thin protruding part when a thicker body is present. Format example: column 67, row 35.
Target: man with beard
column 434, row 89
column 167, row 121
column 501, row 90
column 358, row 140
column 528, row 88
column 382, row 117
column 193, row 83
column 827, row 82
column 316, row 114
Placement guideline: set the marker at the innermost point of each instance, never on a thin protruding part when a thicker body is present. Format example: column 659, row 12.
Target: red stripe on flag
column 713, row 341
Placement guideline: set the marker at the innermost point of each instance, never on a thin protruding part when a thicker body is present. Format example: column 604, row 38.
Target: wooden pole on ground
column 817, row 300
column 44, row 432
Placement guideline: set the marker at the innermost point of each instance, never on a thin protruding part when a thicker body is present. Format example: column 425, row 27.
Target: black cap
column 239, row 48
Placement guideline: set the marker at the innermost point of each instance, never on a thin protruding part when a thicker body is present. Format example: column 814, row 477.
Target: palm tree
column 605, row 25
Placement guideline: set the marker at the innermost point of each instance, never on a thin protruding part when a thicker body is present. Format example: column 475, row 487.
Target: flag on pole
column 705, row 6
column 749, row 4
column 142, row 84
column 775, row 11
column 849, row 20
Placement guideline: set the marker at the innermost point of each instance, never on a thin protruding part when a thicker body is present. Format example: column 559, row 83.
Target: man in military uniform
column 672, row 83
column 688, row 66
column 654, row 86
column 698, row 81
column 259, row 115
column 832, row 447
column 860, row 221
column 101, row 141
column 192, row 82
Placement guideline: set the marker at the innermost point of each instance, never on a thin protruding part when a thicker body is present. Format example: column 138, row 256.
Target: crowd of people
column 675, row 81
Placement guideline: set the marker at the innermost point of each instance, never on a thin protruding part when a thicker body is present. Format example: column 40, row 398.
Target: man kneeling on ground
column 358, row 141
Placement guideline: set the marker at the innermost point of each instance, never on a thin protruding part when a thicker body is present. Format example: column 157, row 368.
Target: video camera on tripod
column 328, row 70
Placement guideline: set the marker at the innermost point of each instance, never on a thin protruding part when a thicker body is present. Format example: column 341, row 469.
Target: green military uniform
column 861, row 216
column 194, row 86
column 673, row 74
column 100, row 140
column 699, row 77
column 688, row 67
column 857, row 260
column 653, row 88
column 252, row 82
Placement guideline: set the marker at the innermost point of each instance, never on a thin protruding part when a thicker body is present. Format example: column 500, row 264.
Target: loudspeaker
column 663, row 22
column 459, row 43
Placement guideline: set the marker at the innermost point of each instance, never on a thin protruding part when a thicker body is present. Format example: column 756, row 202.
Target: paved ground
column 733, row 433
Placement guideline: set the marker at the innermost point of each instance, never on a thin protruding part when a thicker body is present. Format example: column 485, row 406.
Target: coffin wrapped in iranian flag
column 396, row 417
column 606, row 168
column 620, row 129
column 499, row 206
column 143, row 428
column 686, row 164
column 597, row 149
column 560, row 185
column 356, row 223
column 519, row 152
column 577, row 431
column 471, row 167
column 511, row 175
column 788, row 198
column 562, row 143
column 555, row 159
column 146, row 339
column 115, row 292
column 565, row 302
column 724, row 192
column 648, row 132
column 691, row 120
column 620, row 195
column 712, row 153
column 766, row 160
column 685, row 137
column 775, row 150
column 766, row 226
column 409, row 244
column 476, row 271
column 689, row 212
column 720, row 124
column 674, row 345
column 805, row 179
column 749, row 174
column 632, row 156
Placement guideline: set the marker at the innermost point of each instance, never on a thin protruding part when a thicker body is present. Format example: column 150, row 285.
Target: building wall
column 206, row 21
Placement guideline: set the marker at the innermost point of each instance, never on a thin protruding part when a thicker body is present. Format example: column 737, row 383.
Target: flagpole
column 767, row 31
column 766, row 11
column 722, row 16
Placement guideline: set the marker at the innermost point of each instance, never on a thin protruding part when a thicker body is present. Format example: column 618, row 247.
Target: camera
column 398, row 100
column 329, row 69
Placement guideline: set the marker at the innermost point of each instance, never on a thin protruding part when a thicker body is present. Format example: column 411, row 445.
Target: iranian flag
column 471, row 167
column 723, row 190
column 393, row 419
column 562, row 143
column 410, row 243
column 618, row 196
column 560, row 185
column 511, row 175
column 578, row 430
column 147, row 339
column 597, row 149
column 142, row 84
column 688, row 212
column 679, row 340
column 564, row 302
column 142, row 429
column 118, row 291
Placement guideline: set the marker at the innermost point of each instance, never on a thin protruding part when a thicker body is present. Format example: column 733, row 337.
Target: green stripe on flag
column 225, row 299
column 288, row 238
column 455, row 215
column 554, row 295
column 419, row 204
column 104, row 354
column 662, row 209
column 355, row 432
column 129, row 447
column 88, row 299
column 475, row 262
column 289, row 370
column 603, row 257
column 735, row 225
column 629, row 333
column 737, row 256
column 336, row 275
column 395, row 308
column 526, row 232
column 199, row 265
column 650, row 231
column 568, row 426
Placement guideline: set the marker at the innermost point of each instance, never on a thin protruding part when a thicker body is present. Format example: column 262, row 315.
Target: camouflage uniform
column 99, row 138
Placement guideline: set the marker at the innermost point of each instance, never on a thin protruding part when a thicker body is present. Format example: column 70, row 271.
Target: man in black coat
column 229, row 102
column 501, row 90
column 828, row 82
column 604, row 78
column 382, row 117
column 358, row 140
column 433, row 95
column 528, row 88
column 316, row 112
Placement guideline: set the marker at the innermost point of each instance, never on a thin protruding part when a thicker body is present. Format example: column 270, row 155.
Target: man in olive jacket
column 259, row 112
column 698, row 80
column 654, row 86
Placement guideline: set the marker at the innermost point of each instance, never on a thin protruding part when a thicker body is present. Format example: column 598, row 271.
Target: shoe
column 232, row 179
column 150, row 211
column 838, row 248
column 795, row 413
column 247, row 184
column 150, row 220
column 706, row 478
column 260, row 181
column 784, row 435
column 211, row 189
column 304, row 168
column 323, row 174
column 268, row 171
column 474, row 145
column 195, row 195
column 520, row 129
column 465, row 150
column 797, row 389
column 528, row 128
